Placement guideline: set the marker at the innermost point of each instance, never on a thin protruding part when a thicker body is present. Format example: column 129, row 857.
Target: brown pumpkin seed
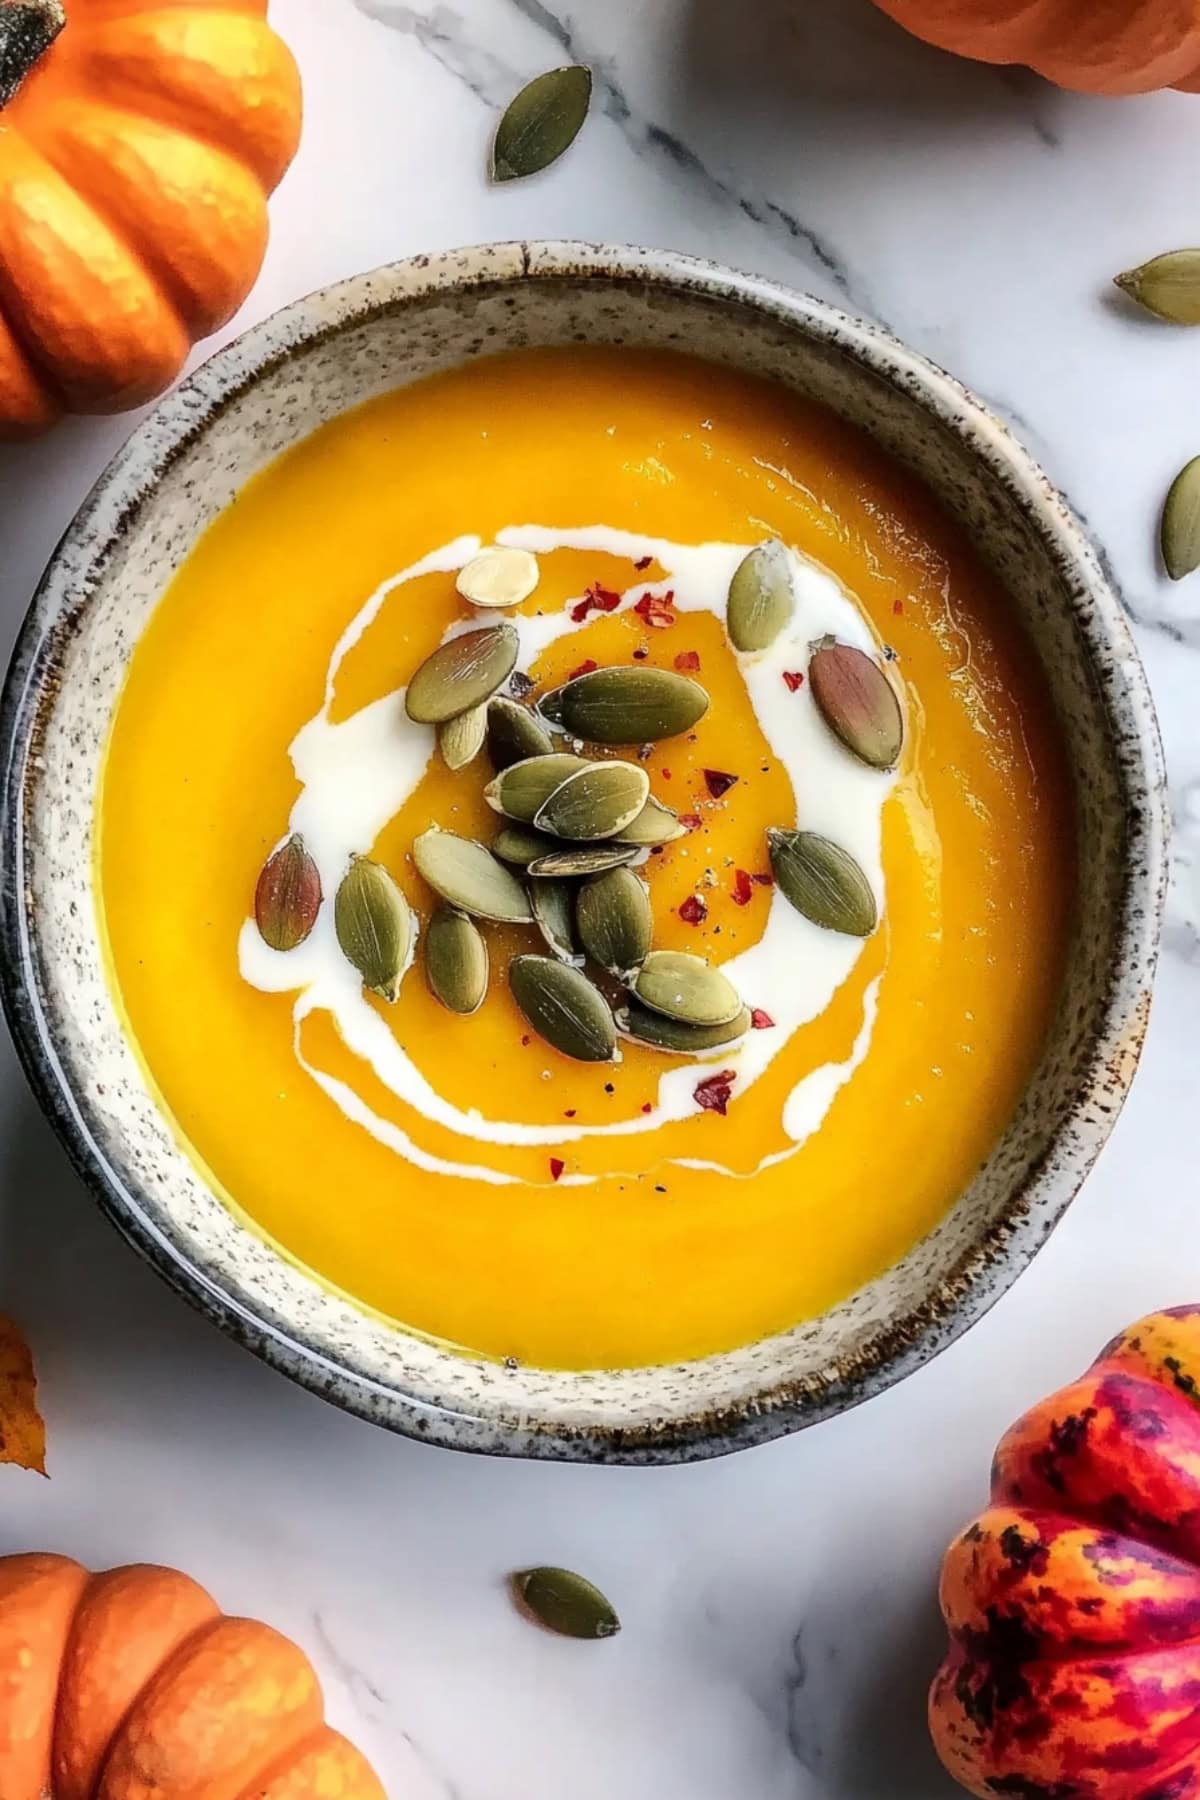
column 456, row 960
column 554, row 915
column 1168, row 285
column 1181, row 523
column 520, row 845
column 822, row 881
column 857, row 702
column 373, row 924
column 658, row 1032
column 563, row 1007
column 521, row 790
column 563, row 1602
column 685, row 987
column 287, row 897
column 498, row 577
column 460, row 740
column 655, row 824
column 761, row 597
column 623, row 705
column 469, row 876
column 462, row 673
column 582, row 859
column 597, row 802
column 613, row 919
column 541, row 122
column 513, row 733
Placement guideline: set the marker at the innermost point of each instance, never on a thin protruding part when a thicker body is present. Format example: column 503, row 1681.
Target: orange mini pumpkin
column 1073, row 1602
column 1096, row 46
column 132, row 1685
column 139, row 140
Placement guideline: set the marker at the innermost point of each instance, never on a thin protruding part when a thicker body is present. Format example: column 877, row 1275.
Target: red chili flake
column 794, row 679
column 640, row 655
column 597, row 599
column 570, row 1112
column 690, row 821
column 643, row 562
column 655, row 609
column 718, row 782
column 694, row 910
column 897, row 606
column 761, row 1021
column 743, row 888
column 766, row 879
column 665, row 773
column 526, row 1039
column 688, row 659
column 713, row 1093
column 647, row 1106
column 584, row 668
column 557, row 1165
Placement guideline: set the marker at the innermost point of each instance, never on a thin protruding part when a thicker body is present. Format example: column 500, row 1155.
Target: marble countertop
column 780, row 1626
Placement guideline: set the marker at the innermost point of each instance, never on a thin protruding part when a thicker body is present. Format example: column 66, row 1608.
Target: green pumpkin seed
column 822, row 881
column 520, row 845
column 1168, row 285
column 658, row 1032
column 761, row 597
column 456, row 960
column 460, row 740
column 612, row 917
column 498, row 577
column 857, row 702
column 685, row 987
column 521, row 790
column 462, row 673
column 541, row 122
column 563, row 1602
column 513, row 733
column 468, row 876
column 582, row 859
column 597, row 802
column 563, row 1007
column 373, row 924
column 287, row 897
column 554, row 915
column 655, row 824
column 636, row 705
column 1181, row 523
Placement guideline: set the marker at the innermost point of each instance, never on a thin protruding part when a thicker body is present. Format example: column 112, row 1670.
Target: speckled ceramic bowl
column 177, row 472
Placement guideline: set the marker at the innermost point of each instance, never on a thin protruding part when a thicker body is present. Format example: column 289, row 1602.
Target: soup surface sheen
column 456, row 1174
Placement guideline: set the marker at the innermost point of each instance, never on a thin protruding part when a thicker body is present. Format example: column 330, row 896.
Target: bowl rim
column 994, row 1261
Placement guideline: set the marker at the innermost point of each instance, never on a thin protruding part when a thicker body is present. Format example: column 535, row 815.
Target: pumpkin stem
column 27, row 30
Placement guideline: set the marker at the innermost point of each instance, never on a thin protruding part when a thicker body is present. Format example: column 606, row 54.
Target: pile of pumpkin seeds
column 571, row 826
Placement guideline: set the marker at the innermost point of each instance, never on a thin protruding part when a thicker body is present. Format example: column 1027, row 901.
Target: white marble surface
column 779, row 1618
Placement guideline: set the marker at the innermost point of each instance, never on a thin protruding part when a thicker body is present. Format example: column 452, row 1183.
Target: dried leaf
column 22, row 1433
column 542, row 122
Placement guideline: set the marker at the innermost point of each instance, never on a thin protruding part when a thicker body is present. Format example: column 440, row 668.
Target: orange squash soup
column 441, row 1031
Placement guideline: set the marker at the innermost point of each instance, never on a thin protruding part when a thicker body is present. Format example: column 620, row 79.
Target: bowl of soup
column 585, row 846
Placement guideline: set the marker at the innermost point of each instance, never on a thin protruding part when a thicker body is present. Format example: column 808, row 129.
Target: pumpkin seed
column 582, row 859
column 1168, row 285
column 686, row 987
column 498, row 577
column 519, row 845
column 1181, row 523
column 761, row 597
column 456, row 960
column 462, row 673
column 563, row 1602
column 541, row 122
column 597, row 802
column 468, row 876
column 822, row 881
column 550, row 706
column 513, row 733
column 612, row 916
column 563, row 1007
column 521, row 790
column 287, row 897
column 655, row 824
column 623, row 705
column 460, row 740
column 659, row 1032
column 374, row 928
column 554, row 915
column 857, row 702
